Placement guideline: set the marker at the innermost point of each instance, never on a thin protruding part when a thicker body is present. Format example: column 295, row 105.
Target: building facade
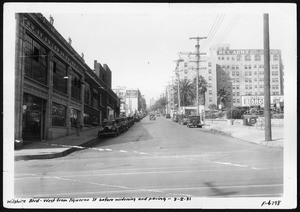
column 54, row 88
column 241, row 72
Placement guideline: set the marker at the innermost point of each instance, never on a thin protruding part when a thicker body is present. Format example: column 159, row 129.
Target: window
column 246, row 67
column 209, row 71
column 237, row 93
column 257, row 57
column 87, row 94
column 58, row 115
column 227, row 58
column 233, row 87
column 223, row 66
column 233, row 66
column 250, row 79
column 250, row 73
column 276, row 66
column 76, row 85
column 209, row 85
column 237, row 79
column 255, row 86
column 185, row 71
column 209, row 78
column 246, row 79
column 255, row 79
column 255, row 72
column 35, row 60
column 246, row 73
column 233, row 80
column 209, row 64
column 233, row 58
column 250, row 86
column 237, row 66
column 233, row 73
column 275, row 57
column 233, row 94
column 59, row 72
column 238, row 57
column 228, row 66
column 233, row 100
column 249, row 67
column 246, row 86
column 237, row 87
column 248, row 57
column 185, row 64
column 237, row 73
column 238, row 100
column 210, row 91
column 210, row 99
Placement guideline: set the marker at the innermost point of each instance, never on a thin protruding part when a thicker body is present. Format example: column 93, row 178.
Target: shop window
column 58, row 115
column 87, row 94
column 59, row 72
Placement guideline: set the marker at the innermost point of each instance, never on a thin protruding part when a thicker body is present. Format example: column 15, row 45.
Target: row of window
column 246, row 66
column 258, row 57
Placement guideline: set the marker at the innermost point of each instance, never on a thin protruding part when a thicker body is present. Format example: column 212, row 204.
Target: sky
column 140, row 42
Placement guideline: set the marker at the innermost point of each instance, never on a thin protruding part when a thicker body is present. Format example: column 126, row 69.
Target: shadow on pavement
column 218, row 192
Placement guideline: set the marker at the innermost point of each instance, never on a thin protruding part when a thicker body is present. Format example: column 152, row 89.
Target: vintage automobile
column 168, row 116
column 175, row 118
column 121, row 124
column 108, row 128
column 194, row 121
column 182, row 119
column 152, row 117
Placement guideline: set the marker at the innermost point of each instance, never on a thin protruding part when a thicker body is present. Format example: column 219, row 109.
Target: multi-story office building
column 241, row 72
column 54, row 88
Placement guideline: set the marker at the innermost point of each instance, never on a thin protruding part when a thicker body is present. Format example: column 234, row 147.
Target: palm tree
column 202, row 89
column 186, row 90
column 222, row 96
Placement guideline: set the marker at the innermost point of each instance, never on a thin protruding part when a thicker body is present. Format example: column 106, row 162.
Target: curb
column 262, row 143
column 58, row 154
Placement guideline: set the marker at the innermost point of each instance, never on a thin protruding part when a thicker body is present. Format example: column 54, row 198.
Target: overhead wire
column 209, row 33
column 215, row 30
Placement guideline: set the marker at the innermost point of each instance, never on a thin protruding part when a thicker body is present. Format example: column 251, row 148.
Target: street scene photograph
column 150, row 105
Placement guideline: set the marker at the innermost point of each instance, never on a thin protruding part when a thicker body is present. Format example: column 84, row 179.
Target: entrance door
column 33, row 118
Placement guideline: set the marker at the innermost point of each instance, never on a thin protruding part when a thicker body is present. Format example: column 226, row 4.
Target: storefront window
column 58, row 115
column 59, row 72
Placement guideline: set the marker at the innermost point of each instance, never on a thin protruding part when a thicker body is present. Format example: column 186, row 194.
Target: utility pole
column 178, row 78
column 198, row 67
column 267, row 99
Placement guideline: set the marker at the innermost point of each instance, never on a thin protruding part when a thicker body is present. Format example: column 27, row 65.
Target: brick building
column 54, row 88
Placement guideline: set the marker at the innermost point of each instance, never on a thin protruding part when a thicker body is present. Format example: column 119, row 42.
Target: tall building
column 54, row 88
column 241, row 72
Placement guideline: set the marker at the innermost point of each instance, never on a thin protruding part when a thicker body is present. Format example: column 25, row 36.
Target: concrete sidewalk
column 248, row 133
column 57, row 147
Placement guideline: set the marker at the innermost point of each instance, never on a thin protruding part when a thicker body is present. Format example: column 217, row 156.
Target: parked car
column 182, row 119
column 168, row 115
column 194, row 121
column 152, row 117
column 121, row 124
column 175, row 118
column 109, row 128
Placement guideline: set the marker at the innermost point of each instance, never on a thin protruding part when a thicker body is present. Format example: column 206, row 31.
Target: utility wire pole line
column 267, row 98
column 198, row 67
column 178, row 78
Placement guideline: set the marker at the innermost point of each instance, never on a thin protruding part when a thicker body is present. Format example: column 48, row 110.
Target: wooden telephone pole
column 198, row 67
column 267, row 98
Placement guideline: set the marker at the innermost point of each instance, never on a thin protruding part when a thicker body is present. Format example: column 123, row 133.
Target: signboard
column 245, row 52
column 259, row 100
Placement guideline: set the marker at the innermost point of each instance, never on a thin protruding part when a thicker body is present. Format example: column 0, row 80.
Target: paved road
column 157, row 158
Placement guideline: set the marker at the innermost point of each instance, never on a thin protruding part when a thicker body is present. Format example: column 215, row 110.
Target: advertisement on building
column 259, row 100
column 245, row 52
column 132, row 93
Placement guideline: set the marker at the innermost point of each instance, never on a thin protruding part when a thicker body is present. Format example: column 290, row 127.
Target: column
column 48, row 115
column 82, row 86
column 19, row 79
column 69, row 91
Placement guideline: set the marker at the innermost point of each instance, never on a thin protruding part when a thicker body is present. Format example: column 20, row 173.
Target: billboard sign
column 131, row 93
column 245, row 51
column 259, row 100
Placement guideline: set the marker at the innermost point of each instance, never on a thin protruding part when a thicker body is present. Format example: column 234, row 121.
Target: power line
column 228, row 29
column 213, row 26
column 215, row 30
